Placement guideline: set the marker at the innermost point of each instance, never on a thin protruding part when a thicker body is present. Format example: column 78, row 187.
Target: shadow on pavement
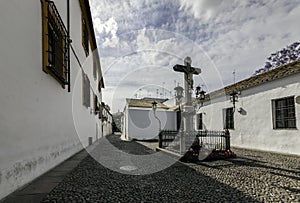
column 92, row 182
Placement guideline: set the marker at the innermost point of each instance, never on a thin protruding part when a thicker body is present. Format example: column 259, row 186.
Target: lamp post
column 188, row 110
column 154, row 107
column 234, row 98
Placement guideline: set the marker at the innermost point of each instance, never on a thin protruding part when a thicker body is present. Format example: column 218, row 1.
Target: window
column 284, row 113
column 55, row 43
column 199, row 122
column 228, row 116
column 95, row 64
column 86, row 90
column 84, row 25
column 85, row 37
column 96, row 107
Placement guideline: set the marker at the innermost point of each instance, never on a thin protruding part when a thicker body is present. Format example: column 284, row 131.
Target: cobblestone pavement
column 252, row 177
column 265, row 176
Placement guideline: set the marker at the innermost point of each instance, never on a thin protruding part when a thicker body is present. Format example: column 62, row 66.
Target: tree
column 286, row 55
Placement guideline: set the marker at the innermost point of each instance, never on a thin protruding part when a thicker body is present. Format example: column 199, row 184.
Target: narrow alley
column 253, row 176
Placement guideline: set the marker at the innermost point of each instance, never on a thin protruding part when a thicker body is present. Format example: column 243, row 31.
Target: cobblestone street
column 252, row 177
column 266, row 177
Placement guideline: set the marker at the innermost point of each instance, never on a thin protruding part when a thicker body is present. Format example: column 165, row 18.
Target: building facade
column 266, row 114
column 139, row 121
column 50, row 84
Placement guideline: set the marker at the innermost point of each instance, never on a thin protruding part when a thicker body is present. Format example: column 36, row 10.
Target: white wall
column 254, row 126
column 36, row 124
column 124, row 135
column 107, row 125
column 170, row 102
column 142, row 124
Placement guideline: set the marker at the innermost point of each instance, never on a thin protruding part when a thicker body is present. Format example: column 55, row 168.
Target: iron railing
column 59, row 51
column 215, row 140
column 209, row 139
column 166, row 137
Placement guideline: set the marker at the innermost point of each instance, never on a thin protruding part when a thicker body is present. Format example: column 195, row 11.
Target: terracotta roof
column 270, row 75
column 145, row 103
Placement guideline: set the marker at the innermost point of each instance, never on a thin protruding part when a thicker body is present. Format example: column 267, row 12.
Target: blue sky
column 141, row 40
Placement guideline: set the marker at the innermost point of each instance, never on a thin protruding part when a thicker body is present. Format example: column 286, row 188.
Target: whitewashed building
column 106, row 119
column 266, row 115
column 50, row 91
column 140, row 123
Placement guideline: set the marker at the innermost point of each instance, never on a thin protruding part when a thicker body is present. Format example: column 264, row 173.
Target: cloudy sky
column 141, row 40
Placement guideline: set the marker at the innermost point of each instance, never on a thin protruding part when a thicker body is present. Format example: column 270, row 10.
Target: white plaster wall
column 254, row 126
column 124, row 135
column 107, row 127
column 142, row 124
column 36, row 124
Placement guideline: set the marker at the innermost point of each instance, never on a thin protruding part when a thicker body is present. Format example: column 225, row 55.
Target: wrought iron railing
column 209, row 139
column 215, row 140
column 166, row 137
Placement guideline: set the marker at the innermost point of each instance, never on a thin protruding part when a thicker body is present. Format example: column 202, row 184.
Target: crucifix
column 188, row 109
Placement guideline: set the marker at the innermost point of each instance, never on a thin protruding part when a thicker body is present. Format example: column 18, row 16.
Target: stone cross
column 188, row 109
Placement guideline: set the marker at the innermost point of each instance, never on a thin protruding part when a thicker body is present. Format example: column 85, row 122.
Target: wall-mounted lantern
column 200, row 93
column 154, row 105
column 234, row 97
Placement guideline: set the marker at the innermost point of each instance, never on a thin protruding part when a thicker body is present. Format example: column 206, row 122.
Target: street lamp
column 154, row 107
column 200, row 93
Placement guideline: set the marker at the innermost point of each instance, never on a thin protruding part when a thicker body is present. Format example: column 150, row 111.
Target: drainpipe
column 69, row 42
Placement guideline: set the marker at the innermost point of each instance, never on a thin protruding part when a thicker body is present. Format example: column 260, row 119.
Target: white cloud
column 110, row 28
column 202, row 9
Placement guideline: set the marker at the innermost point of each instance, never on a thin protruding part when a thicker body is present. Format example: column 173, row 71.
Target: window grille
column 56, row 44
column 284, row 113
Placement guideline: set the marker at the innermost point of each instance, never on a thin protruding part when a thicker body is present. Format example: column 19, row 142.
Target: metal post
column 69, row 41
column 227, row 140
column 160, row 140
column 159, row 129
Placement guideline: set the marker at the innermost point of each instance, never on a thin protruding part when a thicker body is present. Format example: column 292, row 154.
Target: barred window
column 55, row 43
column 228, row 118
column 96, row 107
column 284, row 113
